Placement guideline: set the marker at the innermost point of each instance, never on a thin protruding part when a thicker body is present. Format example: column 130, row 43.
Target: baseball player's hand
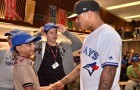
column 61, row 28
column 58, row 85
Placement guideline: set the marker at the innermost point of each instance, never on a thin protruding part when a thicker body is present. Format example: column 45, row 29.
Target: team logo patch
column 91, row 67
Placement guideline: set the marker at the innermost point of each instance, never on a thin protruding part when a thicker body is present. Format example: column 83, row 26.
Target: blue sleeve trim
column 110, row 64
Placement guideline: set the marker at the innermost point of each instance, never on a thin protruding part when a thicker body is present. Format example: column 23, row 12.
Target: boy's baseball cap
column 135, row 59
column 84, row 6
column 49, row 26
column 12, row 32
column 22, row 38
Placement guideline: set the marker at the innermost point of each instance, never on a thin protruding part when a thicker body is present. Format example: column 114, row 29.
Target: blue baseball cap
column 124, row 61
column 12, row 32
column 49, row 26
column 22, row 38
column 135, row 59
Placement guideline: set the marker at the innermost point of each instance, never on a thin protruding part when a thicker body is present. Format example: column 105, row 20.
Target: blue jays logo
column 91, row 67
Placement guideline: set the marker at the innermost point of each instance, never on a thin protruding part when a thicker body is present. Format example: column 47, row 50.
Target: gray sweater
column 66, row 50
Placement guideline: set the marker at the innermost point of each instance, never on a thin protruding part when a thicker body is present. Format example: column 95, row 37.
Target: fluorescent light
column 123, row 5
column 129, row 17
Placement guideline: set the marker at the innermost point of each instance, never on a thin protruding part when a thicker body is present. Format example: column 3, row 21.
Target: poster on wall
column 62, row 16
column 10, row 9
column 52, row 10
column 69, row 21
column 53, row 20
column 29, row 11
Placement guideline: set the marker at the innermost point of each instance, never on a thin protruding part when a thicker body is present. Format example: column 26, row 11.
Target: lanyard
column 54, row 55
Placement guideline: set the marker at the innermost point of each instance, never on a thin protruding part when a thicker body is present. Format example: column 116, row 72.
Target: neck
column 25, row 56
column 96, row 22
column 52, row 43
column 97, row 25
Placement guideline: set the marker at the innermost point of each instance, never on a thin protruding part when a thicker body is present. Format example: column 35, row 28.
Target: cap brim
column 7, row 34
column 73, row 16
column 33, row 39
column 54, row 27
column 51, row 27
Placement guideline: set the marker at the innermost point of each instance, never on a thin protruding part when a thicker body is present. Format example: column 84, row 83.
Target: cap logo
column 84, row 9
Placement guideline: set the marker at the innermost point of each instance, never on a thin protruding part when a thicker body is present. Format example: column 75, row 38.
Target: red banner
column 62, row 16
column 10, row 9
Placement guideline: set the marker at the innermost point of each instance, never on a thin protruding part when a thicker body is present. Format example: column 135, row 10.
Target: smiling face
column 51, row 35
column 26, row 50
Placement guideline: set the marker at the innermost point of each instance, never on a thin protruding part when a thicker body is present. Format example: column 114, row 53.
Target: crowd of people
column 130, row 70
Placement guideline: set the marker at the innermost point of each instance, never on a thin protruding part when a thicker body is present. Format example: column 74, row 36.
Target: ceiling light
column 123, row 5
column 129, row 17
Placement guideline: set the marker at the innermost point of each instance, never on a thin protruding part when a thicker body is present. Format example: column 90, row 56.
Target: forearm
column 107, row 78
column 134, row 79
column 130, row 57
column 76, row 43
column 29, row 88
column 72, row 76
column 137, row 71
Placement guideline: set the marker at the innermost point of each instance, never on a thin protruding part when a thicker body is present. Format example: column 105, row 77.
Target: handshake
column 59, row 85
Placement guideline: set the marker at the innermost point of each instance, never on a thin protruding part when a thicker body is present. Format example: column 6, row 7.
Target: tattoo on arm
column 107, row 77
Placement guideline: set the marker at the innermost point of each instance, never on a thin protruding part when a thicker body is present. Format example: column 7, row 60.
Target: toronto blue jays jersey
column 101, row 48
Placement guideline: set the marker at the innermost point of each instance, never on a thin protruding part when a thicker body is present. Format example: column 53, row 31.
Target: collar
column 23, row 59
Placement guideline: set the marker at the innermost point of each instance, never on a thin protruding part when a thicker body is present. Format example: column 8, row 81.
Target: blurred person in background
column 6, row 64
column 133, row 73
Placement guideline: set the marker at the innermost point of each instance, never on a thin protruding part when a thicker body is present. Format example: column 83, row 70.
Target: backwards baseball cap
column 84, row 6
column 48, row 26
column 12, row 32
column 22, row 38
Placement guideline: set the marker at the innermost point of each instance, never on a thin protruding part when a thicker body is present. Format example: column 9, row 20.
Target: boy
column 24, row 76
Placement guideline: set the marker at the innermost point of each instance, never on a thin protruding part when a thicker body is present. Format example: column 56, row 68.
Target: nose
column 76, row 20
column 33, row 46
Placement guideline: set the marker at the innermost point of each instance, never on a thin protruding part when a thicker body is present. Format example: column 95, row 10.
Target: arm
column 39, row 32
column 69, row 78
column 76, row 43
column 134, row 79
column 130, row 57
column 2, row 52
column 72, row 76
column 107, row 77
column 29, row 88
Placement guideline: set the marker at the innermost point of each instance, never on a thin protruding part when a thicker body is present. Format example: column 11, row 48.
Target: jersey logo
column 91, row 67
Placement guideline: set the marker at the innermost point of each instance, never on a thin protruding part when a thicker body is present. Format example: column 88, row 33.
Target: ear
column 89, row 14
column 17, row 48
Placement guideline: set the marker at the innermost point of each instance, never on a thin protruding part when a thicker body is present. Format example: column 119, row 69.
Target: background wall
column 128, row 45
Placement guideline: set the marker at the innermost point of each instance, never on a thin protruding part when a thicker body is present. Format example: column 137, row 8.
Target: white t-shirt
column 6, row 68
column 100, row 48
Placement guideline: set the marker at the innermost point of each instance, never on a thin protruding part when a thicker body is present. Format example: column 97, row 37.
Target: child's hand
column 47, row 88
